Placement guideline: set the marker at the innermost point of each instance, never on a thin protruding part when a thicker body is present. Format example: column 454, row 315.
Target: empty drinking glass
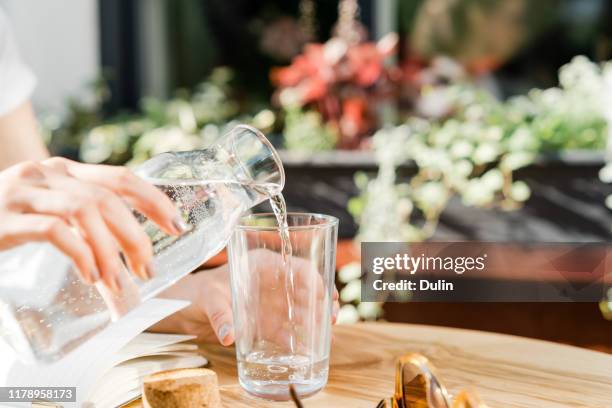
column 282, row 302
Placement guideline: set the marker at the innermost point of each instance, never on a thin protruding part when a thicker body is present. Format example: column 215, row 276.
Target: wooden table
column 507, row 371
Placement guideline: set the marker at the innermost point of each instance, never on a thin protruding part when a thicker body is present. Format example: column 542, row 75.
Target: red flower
column 354, row 121
column 366, row 62
column 341, row 81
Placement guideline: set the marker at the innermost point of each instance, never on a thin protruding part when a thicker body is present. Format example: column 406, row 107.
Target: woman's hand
column 209, row 317
column 81, row 209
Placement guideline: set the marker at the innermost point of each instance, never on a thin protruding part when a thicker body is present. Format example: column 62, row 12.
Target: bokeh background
column 411, row 120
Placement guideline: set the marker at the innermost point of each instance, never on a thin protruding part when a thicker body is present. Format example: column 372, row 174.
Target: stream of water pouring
column 279, row 207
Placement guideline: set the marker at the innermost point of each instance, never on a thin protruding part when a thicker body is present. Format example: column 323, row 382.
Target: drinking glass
column 283, row 305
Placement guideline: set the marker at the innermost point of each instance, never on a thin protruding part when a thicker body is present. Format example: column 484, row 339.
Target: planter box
column 567, row 202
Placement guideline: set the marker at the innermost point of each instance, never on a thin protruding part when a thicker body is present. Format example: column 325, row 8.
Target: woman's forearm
column 19, row 137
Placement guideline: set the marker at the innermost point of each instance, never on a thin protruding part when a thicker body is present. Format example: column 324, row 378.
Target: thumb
column 218, row 309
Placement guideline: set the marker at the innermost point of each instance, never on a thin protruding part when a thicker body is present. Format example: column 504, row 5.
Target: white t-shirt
column 16, row 80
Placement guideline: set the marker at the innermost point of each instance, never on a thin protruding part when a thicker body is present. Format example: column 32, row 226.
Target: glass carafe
column 46, row 310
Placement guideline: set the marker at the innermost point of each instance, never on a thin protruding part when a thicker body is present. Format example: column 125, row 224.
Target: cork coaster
column 182, row 388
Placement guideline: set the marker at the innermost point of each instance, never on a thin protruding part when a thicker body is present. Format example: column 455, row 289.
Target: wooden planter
column 567, row 202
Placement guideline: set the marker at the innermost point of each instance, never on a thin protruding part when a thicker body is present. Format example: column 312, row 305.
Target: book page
column 122, row 383
column 90, row 361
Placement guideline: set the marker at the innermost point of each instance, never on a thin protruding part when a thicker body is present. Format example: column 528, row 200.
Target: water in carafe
column 46, row 310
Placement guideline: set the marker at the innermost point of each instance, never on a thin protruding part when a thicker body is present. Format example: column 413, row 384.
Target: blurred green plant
column 64, row 134
column 472, row 152
column 353, row 309
column 188, row 121
column 305, row 131
column 567, row 117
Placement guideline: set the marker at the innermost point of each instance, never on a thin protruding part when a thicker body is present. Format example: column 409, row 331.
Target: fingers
column 75, row 193
column 132, row 239
column 108, row 227
column 103, row 219
column 218, row 308
column 28, row 171
column 101, row 241
column 142, row 195
column 22, row 228
column 223, row 327
column 194, row 318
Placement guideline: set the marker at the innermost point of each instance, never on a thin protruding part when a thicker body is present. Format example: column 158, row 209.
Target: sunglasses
column 418, row 386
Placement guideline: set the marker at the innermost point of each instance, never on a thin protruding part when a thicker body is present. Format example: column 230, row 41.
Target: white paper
column 86, row 364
